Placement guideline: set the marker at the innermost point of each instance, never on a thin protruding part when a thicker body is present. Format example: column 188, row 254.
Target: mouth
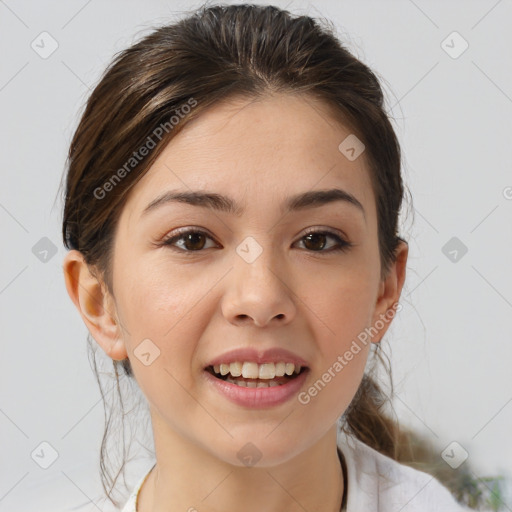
column 253, row 375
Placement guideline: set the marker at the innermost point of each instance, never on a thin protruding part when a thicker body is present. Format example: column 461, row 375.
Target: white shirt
column 376, row 483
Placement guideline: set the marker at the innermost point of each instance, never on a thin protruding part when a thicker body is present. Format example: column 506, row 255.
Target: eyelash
column 343, row 245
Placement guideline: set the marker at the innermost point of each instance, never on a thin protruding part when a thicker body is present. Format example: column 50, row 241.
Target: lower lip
column 258, row 398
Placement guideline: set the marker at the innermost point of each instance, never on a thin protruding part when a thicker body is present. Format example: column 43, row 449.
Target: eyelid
column 314, row 229
column 342, row 242
column 331, row 231
column 183, row 231
column 342, row 239
column 186, row 229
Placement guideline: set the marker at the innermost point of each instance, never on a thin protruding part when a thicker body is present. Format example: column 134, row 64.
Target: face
column 256, row 283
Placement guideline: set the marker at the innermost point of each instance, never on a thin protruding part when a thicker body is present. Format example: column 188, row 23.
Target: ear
column 390, row 290
column 94, row 303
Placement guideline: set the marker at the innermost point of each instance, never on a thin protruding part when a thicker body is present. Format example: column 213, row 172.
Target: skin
column 195, row 307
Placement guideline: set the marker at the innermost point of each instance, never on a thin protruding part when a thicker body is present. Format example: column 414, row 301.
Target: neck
column 188, row 478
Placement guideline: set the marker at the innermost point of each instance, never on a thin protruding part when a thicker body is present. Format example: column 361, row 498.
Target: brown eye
column 194, row 241
column 316, row 241
column 191, row 240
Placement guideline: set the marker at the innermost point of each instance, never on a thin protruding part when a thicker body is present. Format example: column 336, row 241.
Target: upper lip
column 273, row 355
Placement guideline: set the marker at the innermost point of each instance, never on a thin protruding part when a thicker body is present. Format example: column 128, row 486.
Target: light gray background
column 451, row 344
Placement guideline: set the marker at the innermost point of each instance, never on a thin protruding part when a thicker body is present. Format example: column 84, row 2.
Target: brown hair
column 215, row 53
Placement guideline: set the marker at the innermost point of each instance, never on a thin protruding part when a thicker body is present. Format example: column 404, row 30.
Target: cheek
column 163, row 307
column 343, row 308
column 160, row 307
column 343, row 305
column 159, row 299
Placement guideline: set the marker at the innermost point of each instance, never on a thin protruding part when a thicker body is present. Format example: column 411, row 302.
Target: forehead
column 259, row 151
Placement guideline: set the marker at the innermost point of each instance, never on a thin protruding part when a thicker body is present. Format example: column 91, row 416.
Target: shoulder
column 378, row 483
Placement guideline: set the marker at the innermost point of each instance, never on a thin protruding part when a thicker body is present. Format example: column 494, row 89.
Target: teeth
column 253, row 384
column 251, row 370
column 280, row 368
column 289, row 369
column 235, row 369
column 267, row 371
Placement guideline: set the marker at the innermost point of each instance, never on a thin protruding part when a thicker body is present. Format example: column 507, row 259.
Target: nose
column 258, row 293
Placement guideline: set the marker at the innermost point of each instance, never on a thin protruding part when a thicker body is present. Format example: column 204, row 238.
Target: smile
column 257, row 379
column 254, row 375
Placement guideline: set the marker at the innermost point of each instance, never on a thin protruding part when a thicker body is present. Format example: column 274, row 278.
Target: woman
column 232, row 204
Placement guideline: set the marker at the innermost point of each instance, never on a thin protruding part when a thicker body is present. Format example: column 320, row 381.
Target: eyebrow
column 221, row 203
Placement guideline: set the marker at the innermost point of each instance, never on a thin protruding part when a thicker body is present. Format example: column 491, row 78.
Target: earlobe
column 389, row 293
column 94, row 303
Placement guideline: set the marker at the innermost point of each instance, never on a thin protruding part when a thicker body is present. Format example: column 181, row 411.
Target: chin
column 258, row 450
